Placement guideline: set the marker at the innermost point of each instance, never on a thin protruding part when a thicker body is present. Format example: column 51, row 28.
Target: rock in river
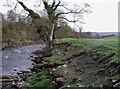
column 117, row 85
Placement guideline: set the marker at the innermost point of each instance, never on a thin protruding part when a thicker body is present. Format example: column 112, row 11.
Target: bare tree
column 54, row 16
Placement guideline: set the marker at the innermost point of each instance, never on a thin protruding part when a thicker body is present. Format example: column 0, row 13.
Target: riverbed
column 17, row 59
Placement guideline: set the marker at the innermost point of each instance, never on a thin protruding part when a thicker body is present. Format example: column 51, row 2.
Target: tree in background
column 97, row 35
column 16, row 30
column 51, row 9
column 86, row 35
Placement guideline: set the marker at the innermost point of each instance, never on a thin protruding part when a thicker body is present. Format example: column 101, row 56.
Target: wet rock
column 39, row 66
column 68, row 86
column 56, row 75
column 79, row 79
column 80, row 85
column 82, row 70
column 105, row 86
column 101, row 72
column 117, row 85
column 20, row 84
column 5, row 77
column 15, row 78
column 14, row 86
column 36, row 61
column 33, row 64
column 7, row 80
column 23, row 75
column 64, row 65
column 118, row 69
column 73, row 64
column 69, row 61
column 54, row 69
column 87, row 63
column 76, row 79
column 78, row 62
column 115, row 82
column 77, row 69
column 37, row 52
column 29, row 74
column 10, row 83
column 33, row 56
column 92, row 62
column 59, row 66
column 59, row 63
column 48, row 65
column 15, row 69
column 3, row 45
column 47, row 54
column 66, row 72
column 60, row 81
column 52, row 73
column 59, row 53
column 79, row 73
column 34, row 69
column 87, row 66
column 63, row 60
column 10, row 86
column 4, row 84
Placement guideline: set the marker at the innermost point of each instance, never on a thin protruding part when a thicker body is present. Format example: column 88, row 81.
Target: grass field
column 97, row 54
column 102, row 46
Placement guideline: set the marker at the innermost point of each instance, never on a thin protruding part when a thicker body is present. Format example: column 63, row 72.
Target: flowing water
column 17, row 59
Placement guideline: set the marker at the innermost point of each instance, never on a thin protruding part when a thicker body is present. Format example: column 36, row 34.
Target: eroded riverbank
column 15, row 60
column 81, row 63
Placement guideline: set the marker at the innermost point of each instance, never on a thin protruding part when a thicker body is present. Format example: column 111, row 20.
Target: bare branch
column 31, row 12
column 74, row 12
column 23, row 20
column 81, row 11
column 15, row 6
column 74, row 21
column 68, row 20
column 56, row 6
column 66, row 8
column 81, row 22
column 53, row 4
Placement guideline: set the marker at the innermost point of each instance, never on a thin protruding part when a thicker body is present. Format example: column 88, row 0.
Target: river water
column 17, row 59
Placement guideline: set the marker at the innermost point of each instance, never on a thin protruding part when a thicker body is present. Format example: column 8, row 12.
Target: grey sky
column 104, row 17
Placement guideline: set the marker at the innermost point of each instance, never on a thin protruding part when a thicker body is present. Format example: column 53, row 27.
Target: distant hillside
column 106, row 33
column 0, row 23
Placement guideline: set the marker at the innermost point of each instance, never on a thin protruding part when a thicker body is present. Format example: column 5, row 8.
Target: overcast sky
column 104, row 16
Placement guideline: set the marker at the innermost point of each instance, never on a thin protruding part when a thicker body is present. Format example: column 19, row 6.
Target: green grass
column 103, row 47
column 39, row 80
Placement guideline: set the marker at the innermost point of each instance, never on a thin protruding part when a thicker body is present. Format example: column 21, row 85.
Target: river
column 17, row 59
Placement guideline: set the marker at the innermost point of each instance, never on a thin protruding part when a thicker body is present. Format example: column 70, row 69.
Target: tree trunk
column 52, row 32
column 50, row 42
